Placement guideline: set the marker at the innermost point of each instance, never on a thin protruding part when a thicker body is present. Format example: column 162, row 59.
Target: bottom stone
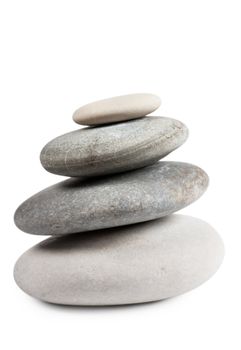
column 131, row 264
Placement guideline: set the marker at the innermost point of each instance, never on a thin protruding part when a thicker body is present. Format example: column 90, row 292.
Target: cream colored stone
column 131, row 264
column 116, row 109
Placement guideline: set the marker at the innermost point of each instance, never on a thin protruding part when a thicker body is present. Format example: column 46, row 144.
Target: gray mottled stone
column 77, row 205
column 113, row 148
column 133, row 264
column 116, row 109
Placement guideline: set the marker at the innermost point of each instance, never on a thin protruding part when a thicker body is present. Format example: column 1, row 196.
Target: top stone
column 116, row 109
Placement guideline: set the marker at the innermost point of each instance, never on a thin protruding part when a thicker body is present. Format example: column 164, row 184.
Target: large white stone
column 116, row 109
column 132, row 264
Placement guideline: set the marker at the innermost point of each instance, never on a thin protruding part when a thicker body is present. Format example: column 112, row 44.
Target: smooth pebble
column 113, row 148
column 133, row 264
column 116, row 109
column 78, row 205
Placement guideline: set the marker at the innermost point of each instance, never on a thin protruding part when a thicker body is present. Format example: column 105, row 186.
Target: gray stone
column 116, row 109
column 133, row 264
column 77, row 205
column 113, row 148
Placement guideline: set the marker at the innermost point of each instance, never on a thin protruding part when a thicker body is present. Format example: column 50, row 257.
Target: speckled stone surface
column 113, row 148
column 116, row 109
column 77, row 205
column 133, row 264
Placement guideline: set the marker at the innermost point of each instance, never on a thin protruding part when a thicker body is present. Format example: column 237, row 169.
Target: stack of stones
column 113, row 238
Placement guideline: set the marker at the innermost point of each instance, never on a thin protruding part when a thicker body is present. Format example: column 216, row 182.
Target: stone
column 116, row 109
column 125, row 265
column 80, row 204
column 114, row 148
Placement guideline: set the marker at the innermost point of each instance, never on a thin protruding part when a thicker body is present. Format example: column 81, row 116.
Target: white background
column 58, row 55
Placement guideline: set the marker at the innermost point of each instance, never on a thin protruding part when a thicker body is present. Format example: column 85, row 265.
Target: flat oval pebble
column 133, row 264
column 77, row 205
column 116, row 109
column 113, row 148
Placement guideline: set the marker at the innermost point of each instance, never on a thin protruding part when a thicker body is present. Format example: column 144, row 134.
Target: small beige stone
column 117, row 109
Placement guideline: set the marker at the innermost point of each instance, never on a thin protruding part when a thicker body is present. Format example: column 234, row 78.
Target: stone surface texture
column 77, row 205
column 116, row 109
column 113, row 148
column 133, row 264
